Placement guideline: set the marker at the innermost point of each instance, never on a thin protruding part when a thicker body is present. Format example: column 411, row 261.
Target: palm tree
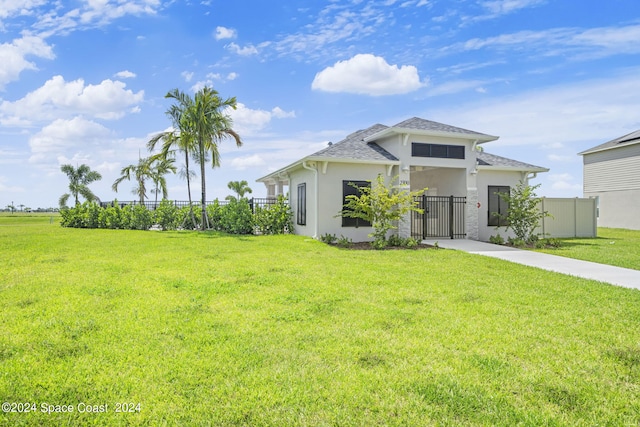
column 159, row 167
column 240, row 188
column 206, row 120
column 179, row 138
column 79, row 179
column 140, row 172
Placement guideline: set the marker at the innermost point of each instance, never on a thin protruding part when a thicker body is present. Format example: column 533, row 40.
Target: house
column 462, row 180
column 611, row 173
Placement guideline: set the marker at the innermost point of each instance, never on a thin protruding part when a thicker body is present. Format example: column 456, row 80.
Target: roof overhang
column 611, row 147
column 511, row 168
column 481, row 138
column 283, row 172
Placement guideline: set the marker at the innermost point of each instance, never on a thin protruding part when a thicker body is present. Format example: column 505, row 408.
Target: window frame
column 301, row 208
column 349, row 189
column 502, row 207
column 438, row 151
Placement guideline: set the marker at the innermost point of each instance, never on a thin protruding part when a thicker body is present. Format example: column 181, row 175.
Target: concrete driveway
column 573, row 267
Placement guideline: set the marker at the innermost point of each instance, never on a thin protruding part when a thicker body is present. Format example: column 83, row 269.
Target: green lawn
column 205, row 329
column 613, row 246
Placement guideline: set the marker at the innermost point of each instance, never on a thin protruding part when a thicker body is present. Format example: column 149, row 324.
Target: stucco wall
column 303, row 176
column 485, row 178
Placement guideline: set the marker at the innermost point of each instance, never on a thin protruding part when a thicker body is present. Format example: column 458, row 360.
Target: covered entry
column 443, row 216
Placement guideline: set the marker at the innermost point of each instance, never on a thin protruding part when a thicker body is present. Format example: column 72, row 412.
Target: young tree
column 523, row 214
column 79, row 179
column 240, row 188
column 140, row 172
column 382, row 206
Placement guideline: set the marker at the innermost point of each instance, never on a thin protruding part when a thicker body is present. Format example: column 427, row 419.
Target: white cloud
column 66, row 137
column 247, row 50
column 563, row 158
column 249, row 121
column 456, row 86
column 58, row 98
column 225, row 33
column 367, row 74
column 503, row 7
column 242, row 163
column 13, row 57
column 6, row 188
column 187, row 76
column 564, row 182
column 125, row 74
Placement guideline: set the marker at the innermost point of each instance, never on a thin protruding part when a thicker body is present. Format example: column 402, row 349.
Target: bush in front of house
column 276, row 218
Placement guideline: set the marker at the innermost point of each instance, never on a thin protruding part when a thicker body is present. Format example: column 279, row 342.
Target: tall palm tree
column 179, row 138
column 141, row 173
column 207, row 121
column 79, row 179
column 240, row 188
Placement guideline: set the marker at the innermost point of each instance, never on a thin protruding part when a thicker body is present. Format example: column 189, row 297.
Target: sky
column 84, row 81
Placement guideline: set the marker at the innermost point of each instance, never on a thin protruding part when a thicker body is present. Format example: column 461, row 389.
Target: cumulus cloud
column 63, row 137
column 366, row 74
column 225, row 33
column 58, row 98
column 13, row 57
column 248, row 121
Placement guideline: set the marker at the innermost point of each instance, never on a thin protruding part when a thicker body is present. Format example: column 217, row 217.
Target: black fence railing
column 254, row 202
column 443, row 216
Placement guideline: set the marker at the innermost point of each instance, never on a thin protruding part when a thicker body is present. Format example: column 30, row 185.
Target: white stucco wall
column 485, row 178
column 618, row 209
column 303, row 176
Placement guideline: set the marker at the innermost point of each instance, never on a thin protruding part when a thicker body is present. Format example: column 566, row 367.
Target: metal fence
column 443, row 216
column 254, row 202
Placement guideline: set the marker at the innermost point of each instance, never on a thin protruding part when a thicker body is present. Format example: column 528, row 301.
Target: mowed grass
column 206, row 329
column 613, row 246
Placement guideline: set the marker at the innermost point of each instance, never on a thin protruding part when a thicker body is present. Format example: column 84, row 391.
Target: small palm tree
column 240, row 188
column 140, row 173
column 159, row 167
column 79, row 179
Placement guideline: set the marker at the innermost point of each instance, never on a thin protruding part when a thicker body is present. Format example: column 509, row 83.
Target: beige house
column 462, row 180
column 612, row 175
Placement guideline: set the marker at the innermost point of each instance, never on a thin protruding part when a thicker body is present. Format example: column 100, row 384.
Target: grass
column 613, row 246
column 206, row 329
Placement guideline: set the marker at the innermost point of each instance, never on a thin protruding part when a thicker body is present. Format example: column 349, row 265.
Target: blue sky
column 83, row 81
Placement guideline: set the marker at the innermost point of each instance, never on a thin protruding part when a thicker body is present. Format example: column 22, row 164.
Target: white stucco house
column 462, row 180
column 611, row 173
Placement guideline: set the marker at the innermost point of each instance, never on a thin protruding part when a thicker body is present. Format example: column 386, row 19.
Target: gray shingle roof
column 632, row 138
column 487, row 159
column 353, row 147
column 428, row 125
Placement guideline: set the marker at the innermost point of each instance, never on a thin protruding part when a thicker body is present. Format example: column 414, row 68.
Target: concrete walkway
column 573, row 267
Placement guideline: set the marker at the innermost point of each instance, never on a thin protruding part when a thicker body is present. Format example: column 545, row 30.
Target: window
column 497, row 207
column 302, row 204
column 349, row 189
column 437, row 150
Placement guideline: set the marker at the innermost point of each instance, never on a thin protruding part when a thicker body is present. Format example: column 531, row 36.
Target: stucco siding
column 485, row 179
column 303, row 176
column 330, row 203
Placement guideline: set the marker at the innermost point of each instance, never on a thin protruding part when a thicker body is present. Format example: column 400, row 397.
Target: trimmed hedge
column 235, row 217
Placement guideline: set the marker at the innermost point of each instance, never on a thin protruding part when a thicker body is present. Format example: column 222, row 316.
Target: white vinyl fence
column 570, row 217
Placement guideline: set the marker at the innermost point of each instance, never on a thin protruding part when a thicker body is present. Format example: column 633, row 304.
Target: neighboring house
column 462, row 180
column 612, row 175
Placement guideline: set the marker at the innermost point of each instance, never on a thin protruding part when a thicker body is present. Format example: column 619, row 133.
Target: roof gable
column 354, row 147
column 428, row 127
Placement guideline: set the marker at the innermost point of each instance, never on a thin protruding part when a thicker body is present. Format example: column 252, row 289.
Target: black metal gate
column 443, row 216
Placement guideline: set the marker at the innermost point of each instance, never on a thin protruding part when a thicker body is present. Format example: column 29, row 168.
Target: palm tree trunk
column 203, row 201
column 186, row 161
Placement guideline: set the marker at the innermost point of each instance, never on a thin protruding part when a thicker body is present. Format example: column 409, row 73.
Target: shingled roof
column 419, row 125
column 354, row 147
column 629, row 139
column 491, row 160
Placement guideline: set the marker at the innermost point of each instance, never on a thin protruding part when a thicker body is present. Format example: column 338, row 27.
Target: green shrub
column 214, row 212
column 276, row 218
column 344, row 242
column 166, row 215
column 496, row 240
column 328, row 238
column 410, row 242
column 140, row 217
column 237, row 217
